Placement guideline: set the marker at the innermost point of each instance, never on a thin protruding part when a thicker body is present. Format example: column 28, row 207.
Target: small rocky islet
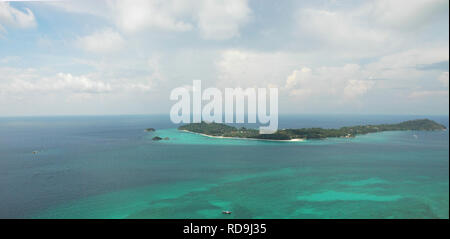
column 156, row 138
column 149, row 130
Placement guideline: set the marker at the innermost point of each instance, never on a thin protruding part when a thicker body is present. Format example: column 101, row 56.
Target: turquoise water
column 109, row 168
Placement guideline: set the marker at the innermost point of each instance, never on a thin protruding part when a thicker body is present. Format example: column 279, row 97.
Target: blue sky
column 125, row 56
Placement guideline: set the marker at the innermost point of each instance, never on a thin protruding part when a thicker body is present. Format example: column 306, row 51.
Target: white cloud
column 369, row 29
column 96, row 8
column 103, row 41
column 222, row 19
column 138, row 15
column 10, row 75
column 355, row 88
column 403, row 69
column 12, row 17
column 78, row 84
column 241, row 68
column 294, row 79
column 334, row 83
column 338, row 28
column 217, row 20
column 405, row 14
column 414, row 57
column 373, row 52
column 29, row 81
column 35, row 92
column 61, row 83
column 443, row 78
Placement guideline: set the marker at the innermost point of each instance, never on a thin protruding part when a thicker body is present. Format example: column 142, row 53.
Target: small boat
column 226, row 212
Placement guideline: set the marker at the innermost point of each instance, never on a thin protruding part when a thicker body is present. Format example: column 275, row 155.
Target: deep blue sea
column 108, row 167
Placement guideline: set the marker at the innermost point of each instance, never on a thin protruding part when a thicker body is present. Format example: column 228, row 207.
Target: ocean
column 108, row 167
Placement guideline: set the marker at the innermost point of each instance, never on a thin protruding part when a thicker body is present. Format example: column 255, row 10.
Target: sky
column 99, row 57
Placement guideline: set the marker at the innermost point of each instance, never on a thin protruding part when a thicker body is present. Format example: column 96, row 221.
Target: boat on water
column 226, row 212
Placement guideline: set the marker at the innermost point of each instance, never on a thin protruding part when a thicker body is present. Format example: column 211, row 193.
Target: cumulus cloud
column 222, row 19
column 342, row 83
column 13, row 17
column 403, row 69
column 371, row 28
column 95, row 8
column 61, row 83
column 29, row 81
column 404, row 14
column 338, row 28
column 102, row 41
column 239, row 68
column 355, row 88
column 217, row 20
column 413, row 58
column 137, row 15
column 242, row 68
column 372, row 52
column 295, row 79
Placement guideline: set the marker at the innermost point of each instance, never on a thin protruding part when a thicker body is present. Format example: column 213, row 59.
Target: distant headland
column 226, row 131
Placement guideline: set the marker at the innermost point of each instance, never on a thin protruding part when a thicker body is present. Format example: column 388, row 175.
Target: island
column 157, row 138
column 223, row 130
column 149, row 130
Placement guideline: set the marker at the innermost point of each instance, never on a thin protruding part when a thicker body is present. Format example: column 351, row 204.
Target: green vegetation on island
column 149, row 130
column 223, row 130
column 157, row 138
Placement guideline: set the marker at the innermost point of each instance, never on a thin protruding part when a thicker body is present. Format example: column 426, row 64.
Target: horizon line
column 168, row 115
